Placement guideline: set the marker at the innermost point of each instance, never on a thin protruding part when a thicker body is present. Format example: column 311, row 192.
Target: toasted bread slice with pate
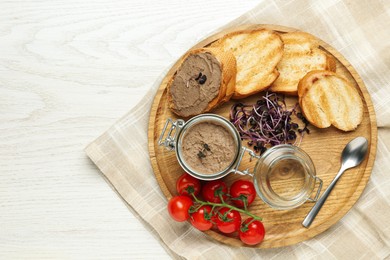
column 257, row 53
column 329, row 99
column 301, row 55
column 205, row 78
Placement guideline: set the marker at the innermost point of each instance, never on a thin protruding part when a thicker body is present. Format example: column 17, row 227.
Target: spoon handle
column 316, row 208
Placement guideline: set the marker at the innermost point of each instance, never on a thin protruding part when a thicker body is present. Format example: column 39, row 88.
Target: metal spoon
column 352, row 155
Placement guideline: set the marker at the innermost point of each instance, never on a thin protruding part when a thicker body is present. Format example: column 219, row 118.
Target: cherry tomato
column 228, row 221
column 201, row 218
column 178, row 208
column 187, row 183
column 211, row 190
column 242, row 190
column 251, row 232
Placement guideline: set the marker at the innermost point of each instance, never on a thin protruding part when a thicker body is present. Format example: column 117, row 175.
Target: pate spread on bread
column 301, row 55
column 257, row 53
column 204, row 79
column 329, row 99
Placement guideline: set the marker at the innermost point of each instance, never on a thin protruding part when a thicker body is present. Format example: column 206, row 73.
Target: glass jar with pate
column 209, row 147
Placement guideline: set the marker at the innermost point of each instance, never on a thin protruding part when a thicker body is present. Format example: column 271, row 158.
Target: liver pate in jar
column 208, row 148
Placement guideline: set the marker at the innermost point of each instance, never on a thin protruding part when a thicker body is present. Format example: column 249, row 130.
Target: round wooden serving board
column 283, row 227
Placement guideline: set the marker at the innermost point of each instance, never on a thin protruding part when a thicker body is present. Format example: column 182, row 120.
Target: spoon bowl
column 354, row 152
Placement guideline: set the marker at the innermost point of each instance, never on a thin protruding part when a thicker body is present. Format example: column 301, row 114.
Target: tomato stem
column 221, row 198
column 250, row 222
column 223, row 204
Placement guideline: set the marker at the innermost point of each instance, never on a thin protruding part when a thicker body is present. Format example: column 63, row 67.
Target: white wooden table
column 69, row 70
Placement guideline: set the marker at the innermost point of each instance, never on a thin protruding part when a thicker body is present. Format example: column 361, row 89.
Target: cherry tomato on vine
column 212, row 189
column 241, row 191
column 201, row 218
column 178, row 208
column 186, row 183
column 252, row 231
column 228, row 220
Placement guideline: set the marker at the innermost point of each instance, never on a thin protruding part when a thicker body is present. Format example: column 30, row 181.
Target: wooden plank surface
column 324, row 146
column 68, row 71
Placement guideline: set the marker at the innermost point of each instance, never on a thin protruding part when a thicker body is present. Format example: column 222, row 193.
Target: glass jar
column 285, row 177
column 178, row 132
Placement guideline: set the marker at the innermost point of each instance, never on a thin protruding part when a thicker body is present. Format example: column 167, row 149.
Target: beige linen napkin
column 360, row 30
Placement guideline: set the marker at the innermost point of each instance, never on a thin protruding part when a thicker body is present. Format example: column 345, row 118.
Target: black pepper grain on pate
column 200, row 75
column 202, row 154
column 201, row 78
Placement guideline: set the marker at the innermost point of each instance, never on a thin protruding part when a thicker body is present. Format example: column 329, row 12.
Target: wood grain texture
column 68, row 71
column 324, row 146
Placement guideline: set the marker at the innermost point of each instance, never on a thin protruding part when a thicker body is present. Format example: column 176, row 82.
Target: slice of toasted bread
column 205, row 78
column 328, row 99
column 257, row 53
column 301, row 55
